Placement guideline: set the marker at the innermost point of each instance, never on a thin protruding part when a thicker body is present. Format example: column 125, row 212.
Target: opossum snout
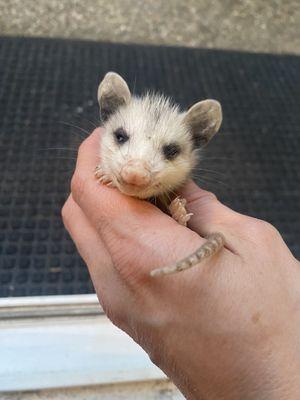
column 136, row 172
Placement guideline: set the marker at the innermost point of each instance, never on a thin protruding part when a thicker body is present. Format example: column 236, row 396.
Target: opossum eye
column 121, row 136
column 171, row 150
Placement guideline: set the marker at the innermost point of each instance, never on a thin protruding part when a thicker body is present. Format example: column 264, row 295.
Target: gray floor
column 253, row 25
column 131, row 391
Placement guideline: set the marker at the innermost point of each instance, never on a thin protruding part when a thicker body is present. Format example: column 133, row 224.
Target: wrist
column 254, row 383
column 270, row 371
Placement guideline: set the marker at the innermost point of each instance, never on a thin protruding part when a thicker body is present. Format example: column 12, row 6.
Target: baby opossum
column 149, row 149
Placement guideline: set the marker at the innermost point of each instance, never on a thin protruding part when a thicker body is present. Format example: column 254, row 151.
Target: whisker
column 62, row 158
column 93, row 123
column 77, row 127
column 57, row 148
column 205, row 179
column 209, row 175
column 211, row 171
column 203, row 158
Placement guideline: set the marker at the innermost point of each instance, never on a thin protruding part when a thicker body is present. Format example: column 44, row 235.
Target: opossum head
column 149, row 147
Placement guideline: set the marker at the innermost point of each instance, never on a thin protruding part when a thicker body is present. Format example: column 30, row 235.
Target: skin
column 227, row 329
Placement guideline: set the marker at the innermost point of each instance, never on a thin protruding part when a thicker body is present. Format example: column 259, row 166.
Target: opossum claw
column 179, row 212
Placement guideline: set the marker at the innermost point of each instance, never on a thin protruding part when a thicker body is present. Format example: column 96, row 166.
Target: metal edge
column 47, row 306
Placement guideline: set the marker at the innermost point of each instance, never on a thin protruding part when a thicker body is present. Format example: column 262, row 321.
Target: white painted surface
column 63, row 352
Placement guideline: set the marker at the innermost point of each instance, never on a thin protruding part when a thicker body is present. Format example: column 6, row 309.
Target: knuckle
column 82, row 147
column 65, row 212
column 269, row 230
column 265, row 227
column 202, row 196
column 126, row 267
column 209, row 196
column 77, row 186
column 262, row 230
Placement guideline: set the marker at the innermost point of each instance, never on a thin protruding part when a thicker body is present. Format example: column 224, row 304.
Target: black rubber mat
column 46, row 84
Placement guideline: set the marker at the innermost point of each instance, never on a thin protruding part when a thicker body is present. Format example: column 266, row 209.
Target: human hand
column 226, row 329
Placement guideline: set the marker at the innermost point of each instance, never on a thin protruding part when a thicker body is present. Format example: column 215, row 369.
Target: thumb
column 209, row 214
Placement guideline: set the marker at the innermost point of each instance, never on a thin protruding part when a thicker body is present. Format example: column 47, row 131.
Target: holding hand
column 226, row 329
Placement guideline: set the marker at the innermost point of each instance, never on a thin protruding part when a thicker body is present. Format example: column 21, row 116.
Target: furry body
column 149, row 149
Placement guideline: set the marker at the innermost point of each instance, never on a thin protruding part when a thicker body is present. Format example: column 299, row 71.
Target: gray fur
column 113, row 92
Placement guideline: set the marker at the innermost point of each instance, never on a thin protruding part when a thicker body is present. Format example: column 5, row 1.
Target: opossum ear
column 204, row 120
column 112, row 93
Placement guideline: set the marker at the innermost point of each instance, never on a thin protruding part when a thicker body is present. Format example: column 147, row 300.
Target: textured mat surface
column 46, row 84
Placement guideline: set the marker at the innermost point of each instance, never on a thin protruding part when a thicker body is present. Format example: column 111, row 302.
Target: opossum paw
column 102, row 177
column 179, row 212
column 98, row 172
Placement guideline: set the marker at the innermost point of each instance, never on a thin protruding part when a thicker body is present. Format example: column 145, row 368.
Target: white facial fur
column 151, row 122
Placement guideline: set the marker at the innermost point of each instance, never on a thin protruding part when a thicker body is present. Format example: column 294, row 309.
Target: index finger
column 87, row 192
column 89, row 154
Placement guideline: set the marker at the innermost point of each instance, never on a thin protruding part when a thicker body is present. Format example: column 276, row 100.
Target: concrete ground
column 151, row 390
column 252, row 25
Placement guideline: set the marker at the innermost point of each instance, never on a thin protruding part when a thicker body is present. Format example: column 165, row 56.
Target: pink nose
column 135, row 172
